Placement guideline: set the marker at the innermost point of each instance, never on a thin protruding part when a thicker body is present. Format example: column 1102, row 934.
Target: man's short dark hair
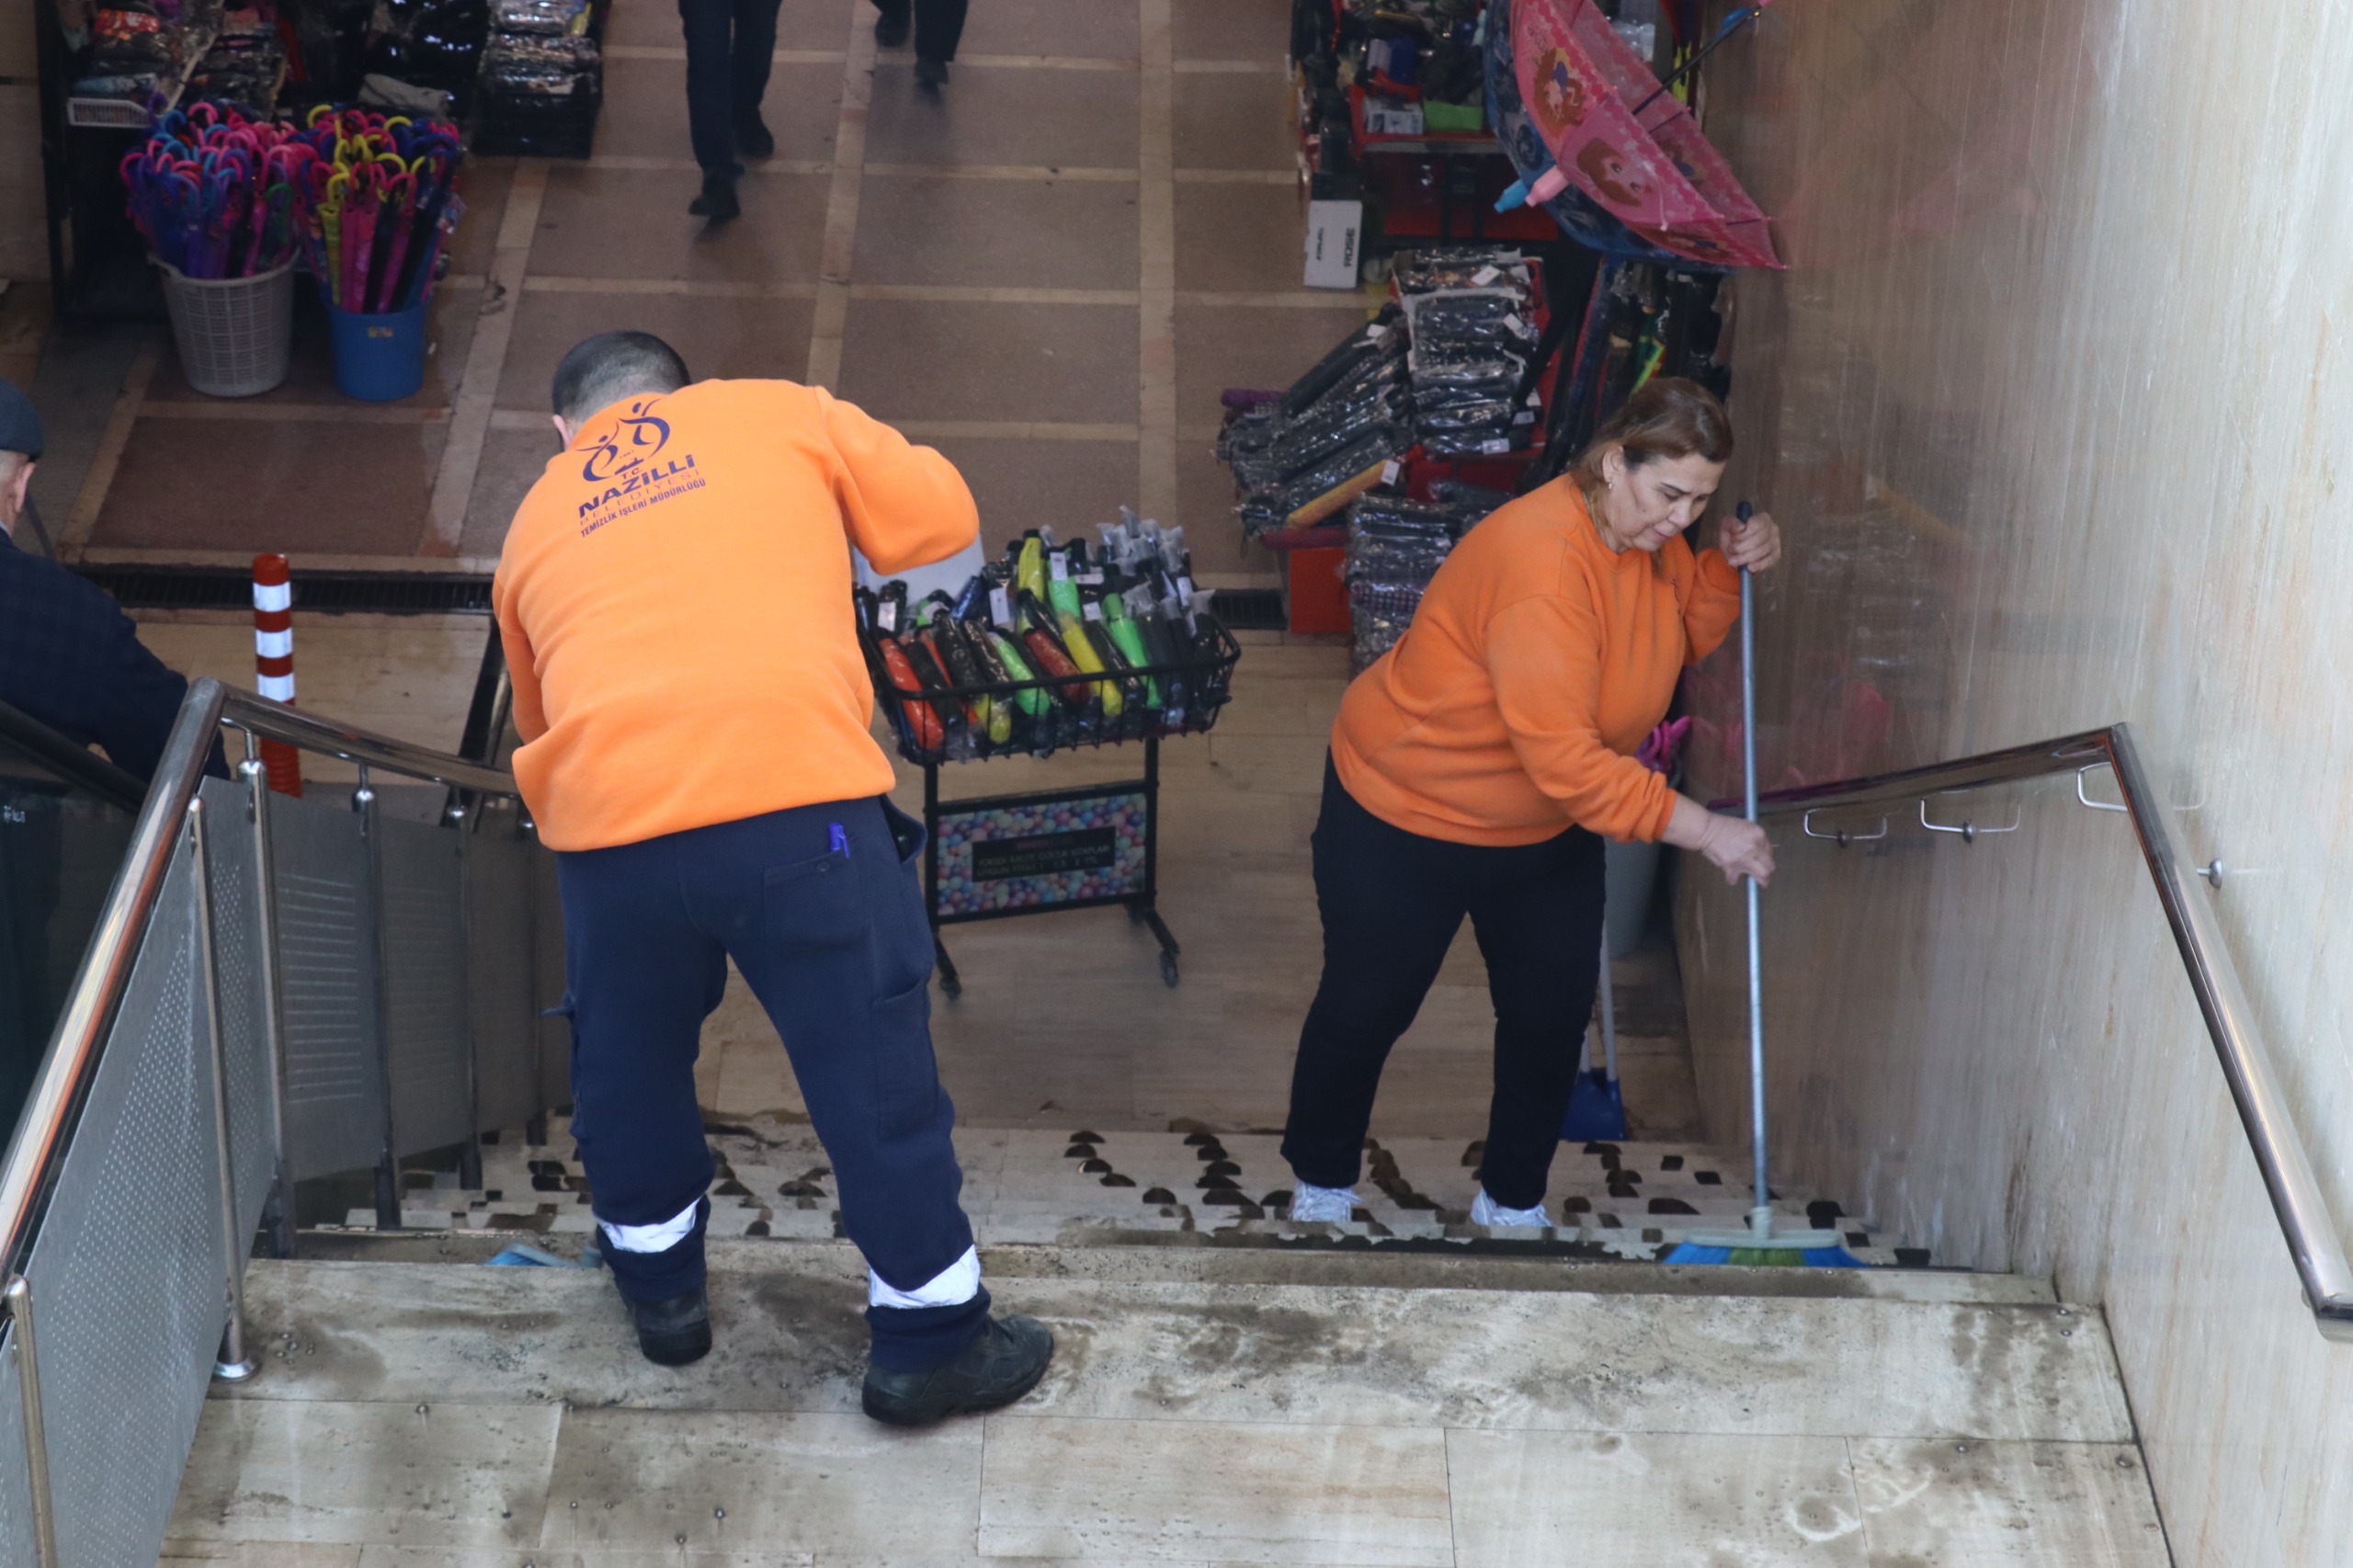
column 611, row 366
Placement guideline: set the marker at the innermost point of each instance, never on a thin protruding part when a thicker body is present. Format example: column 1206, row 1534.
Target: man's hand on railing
column 1735, row 846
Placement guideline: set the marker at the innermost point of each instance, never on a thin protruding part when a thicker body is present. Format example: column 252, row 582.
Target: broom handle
column 1756, row 953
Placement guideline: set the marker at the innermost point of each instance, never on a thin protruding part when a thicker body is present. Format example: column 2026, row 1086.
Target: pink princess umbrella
column 1624, row 142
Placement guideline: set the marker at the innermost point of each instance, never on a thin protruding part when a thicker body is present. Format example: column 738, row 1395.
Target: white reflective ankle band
column 951, row 1287
column 651, row 1238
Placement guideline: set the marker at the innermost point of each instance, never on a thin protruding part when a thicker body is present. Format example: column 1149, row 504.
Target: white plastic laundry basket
column 232, row 332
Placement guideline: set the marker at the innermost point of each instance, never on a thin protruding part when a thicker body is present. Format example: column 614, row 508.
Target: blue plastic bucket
column 379, row 359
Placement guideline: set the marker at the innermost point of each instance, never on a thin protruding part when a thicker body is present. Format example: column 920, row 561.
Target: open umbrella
column 1603, row 128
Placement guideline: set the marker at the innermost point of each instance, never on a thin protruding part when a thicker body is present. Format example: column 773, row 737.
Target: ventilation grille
column 226, row 587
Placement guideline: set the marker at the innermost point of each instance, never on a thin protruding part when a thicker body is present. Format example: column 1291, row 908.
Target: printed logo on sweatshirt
column 626, row 460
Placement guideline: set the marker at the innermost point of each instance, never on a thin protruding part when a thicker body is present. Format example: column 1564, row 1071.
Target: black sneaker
column 676, row 1332
column 753, row 138
column 998, row 1368
column 931, row 74
column 717, row 202
column 890, row 28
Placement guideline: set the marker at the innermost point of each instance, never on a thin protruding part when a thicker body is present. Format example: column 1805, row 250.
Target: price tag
column 1390, row 471
column 1535, row 400
column 1485, row 276
column 1376, row 333
column 1091, row 579
column 1494, row 445
column 887, row 617
column 1092, row 610
column 1517, row 326
column 1184, row 591
column 1000, row 607
column 1523, row 418
column 1058, row 567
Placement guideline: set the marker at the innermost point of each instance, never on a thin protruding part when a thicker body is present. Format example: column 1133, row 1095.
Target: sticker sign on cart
column 1033, row 854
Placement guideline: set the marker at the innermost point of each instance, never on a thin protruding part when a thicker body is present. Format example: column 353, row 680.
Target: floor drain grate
column 225, row 587
column 1250, row 609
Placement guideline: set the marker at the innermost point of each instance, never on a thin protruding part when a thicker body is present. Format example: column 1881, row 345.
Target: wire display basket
column 938, row 718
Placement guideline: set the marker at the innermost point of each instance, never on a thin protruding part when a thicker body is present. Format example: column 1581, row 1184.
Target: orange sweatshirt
column 674, row 601
column 1537, row 664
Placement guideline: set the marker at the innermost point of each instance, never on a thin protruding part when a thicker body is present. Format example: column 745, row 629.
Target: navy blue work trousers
column 822, row 909
column 731, row 44
column 1392, row 903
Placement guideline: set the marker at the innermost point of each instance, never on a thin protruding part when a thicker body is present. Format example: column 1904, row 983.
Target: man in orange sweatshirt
column 675, row 602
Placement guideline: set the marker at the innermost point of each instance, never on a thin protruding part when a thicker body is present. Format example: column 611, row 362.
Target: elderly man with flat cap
column 69, row 656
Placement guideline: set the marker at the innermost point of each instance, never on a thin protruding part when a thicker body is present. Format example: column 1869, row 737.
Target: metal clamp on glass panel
column 1844, row 836
column 1967, row 830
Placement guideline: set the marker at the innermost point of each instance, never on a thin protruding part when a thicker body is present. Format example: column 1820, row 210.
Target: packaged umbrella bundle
column 1395, row 547
column 1470, row 352
column 542, row 79
column 1055, row 645
column 1298, row 460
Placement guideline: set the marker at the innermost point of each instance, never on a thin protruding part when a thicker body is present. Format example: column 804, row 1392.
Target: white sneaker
column 1485, row 1210
column 1325, row 1205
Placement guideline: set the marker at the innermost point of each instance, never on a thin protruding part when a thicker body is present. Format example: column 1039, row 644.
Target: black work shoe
column 998, row 1368
column 751, row 137
column 931, row 74
column 675, row 1331
column 717, row 202
column 890, row 28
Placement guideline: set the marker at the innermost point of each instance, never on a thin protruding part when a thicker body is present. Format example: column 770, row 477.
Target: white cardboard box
column 1335, row 229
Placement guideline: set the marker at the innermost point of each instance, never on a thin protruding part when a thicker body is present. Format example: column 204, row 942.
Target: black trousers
column 939, row 24
column 731, row 44
column 822, row 909
column 1392, row 902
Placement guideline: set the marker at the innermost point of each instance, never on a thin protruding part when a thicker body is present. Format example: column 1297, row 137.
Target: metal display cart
column 1036, row 852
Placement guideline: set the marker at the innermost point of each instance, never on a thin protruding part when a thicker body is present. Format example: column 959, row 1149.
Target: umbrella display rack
column 1080, row 847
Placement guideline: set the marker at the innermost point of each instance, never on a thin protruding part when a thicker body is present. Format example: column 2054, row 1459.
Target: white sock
column 1485, row 1210
column 1327, row 1205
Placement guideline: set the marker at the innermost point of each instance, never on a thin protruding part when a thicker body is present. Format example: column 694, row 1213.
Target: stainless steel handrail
column 2297, row 1198
column 130, row 904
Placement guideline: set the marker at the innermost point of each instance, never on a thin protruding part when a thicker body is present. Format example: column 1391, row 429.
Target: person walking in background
column 1476, row 768
column 938, row 26
column 674, row 601
column 731, row 44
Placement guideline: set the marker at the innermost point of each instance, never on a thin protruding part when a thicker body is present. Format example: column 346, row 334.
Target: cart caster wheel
column 951, row 987
column 1135, row 915
column 1168, row 972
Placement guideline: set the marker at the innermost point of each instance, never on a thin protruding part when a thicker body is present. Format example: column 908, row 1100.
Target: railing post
column 388, row 1169
column 236, row 1362
column 278, row 1216
column 463, row 820
column 18, row 1299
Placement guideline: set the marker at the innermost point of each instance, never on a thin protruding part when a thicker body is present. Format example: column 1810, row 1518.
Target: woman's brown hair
column 1666, row 417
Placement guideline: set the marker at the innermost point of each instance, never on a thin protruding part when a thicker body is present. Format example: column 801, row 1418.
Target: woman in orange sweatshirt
column 1477, row 767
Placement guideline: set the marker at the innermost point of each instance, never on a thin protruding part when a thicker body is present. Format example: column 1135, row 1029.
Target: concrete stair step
column 1031, row 1187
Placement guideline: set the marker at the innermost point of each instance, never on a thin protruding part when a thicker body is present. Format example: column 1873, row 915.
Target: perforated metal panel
column 547, row 932
column 15, row 1493
column 238, row 936
column 499, row 982
column 425, row 986
column 326, row 969
column 127, row 1270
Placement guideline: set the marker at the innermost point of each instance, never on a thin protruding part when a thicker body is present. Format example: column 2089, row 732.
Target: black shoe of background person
column 931, row 74
column 673, row 1332
column 753, row 138
column 998, row 1368
column 890, row 28
column 717, row 202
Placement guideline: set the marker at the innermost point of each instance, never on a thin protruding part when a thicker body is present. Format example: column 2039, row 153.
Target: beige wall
column 24, row 237
column 2053, row 403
